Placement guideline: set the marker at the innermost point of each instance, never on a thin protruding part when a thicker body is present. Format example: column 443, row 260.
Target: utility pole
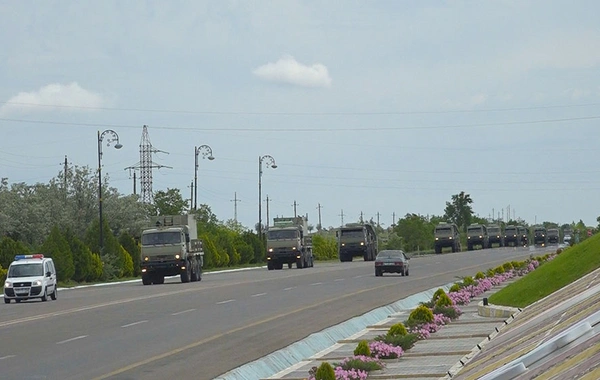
column 191, row 192
column 508, row 212
column 493, row 213
column 319, row 226
column 267, row 210
column 394, row 219
column 66, row 171
column 235, row 200
column 295, row 204
column 361, row 218
column 377, row 218
column 342, row 215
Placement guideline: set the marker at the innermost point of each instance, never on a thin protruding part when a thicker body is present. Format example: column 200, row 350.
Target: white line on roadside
column 290, row 288
column 222, row 302
column 259, row 294
column 339, row 279
column 134, row 323
column 72, row 339
column 7, row 357
column 317, row 283
column 184, row 311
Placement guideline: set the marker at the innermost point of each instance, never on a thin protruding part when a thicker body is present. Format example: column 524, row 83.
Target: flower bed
column 424, row 320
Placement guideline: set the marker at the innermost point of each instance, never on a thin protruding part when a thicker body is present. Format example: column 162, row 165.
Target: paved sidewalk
column 430, row 358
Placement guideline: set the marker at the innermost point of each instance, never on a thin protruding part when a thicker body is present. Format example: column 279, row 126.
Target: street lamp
column 206, row 152
column 270, row 161
column 113, row 137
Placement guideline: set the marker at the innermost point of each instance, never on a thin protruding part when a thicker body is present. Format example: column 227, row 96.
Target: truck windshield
column 165, row 237
column 494, row 230
column 353, row 234
column 474, row 231
column 26, row 270
column 282, row 234
column 443, row 231
column 510, row 230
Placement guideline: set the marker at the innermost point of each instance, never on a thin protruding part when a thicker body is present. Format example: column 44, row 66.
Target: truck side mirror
column 187, row 238
column 337, row 234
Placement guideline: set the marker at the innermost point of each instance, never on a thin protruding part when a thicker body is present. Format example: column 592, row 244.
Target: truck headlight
column 362, row 243
column 36, row 283
column 293, row 248
column 177, row 257
column 270, row 249
column 146, row 258
column 450, row 238
column 343, row 244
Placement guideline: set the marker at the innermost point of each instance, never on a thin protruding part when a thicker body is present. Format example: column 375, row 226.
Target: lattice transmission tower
column 145, row 166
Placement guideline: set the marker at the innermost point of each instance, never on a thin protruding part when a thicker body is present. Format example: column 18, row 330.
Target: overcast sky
column 366, row 106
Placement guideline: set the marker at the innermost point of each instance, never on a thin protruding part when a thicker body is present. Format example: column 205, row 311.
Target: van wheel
column 45, row 296
column 6, row 300
column 53, row 295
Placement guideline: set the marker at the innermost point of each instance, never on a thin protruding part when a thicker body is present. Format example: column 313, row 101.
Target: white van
column 30, row 276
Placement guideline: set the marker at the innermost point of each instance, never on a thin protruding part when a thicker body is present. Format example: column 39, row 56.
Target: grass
column 572, row 264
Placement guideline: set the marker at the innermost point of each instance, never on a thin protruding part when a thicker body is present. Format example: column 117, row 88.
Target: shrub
column 468, row 281
column 421, row 314
column 443, row 300
column 455, row 288
column 490, row 273
column 361, row 363
column 480, row 276
column 447, row 311
column 362, row 349
column 507, row 266
column 3, row 275
column 499, row 270
column 397, row 329
column 325, row 372
column 406, row 342
column 437, row 294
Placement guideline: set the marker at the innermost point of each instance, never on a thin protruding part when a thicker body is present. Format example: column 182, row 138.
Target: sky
column 376, row 107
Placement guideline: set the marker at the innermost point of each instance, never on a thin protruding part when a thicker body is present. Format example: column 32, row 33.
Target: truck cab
column 512, row 236
column 357, row 240
column 540, row 236
column 495, row 235
column 289, row 242
column 477, row 235
column 447, row 235
column 553, row 236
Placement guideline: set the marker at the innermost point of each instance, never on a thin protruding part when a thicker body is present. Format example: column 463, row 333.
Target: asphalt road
column 204, row 329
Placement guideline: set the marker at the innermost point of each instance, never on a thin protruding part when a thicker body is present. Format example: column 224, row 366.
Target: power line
column 323, row 129
column 312, row 113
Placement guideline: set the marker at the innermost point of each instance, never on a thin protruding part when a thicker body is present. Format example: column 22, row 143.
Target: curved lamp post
column 206, row 152
column 112, row 136
column 270, row 161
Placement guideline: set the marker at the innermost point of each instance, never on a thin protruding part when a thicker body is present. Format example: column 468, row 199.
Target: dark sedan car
column 391, row 261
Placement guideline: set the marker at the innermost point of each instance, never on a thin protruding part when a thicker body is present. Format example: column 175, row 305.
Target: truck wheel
column 290, row 265
column 269, row 265
column 185, row 275
column 159, row 279
column 299, row 263
column 146, row 279
column 194, row 274
column 199, row 272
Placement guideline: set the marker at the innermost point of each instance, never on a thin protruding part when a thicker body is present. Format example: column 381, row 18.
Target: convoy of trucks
column 171, row 247
column 289, row 242
column 357, row 240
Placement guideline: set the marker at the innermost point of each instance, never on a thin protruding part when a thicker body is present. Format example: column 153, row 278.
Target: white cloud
column 54, row 96
column 288, row 70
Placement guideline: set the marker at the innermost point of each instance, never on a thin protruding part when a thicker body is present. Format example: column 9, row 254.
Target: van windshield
column 26, row 270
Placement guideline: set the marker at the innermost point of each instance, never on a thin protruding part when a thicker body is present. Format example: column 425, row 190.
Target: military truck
column 447, row 235
column 540, row 236
column 512, row 237
column 477, row 235
column 171, row 247
column 495, row 235
column 553, row 236
column 357, row 240
column 524, row 235
column 289, row 242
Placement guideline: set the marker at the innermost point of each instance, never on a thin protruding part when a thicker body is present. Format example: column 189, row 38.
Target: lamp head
column 211, row 158
column 274, row 166
column 118, row 146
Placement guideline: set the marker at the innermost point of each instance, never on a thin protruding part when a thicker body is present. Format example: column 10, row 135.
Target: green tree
column 82, row 257
column 169, row 202
column 459, row 210
column 394, row 242
column 57, row 247
column 133, row 249
column 416, row 232
column 9, row 249
column 324, row 247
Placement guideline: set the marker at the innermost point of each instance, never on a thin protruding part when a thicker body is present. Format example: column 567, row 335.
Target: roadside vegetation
column 570, row 265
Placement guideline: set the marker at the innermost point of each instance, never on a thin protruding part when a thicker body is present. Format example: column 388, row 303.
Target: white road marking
column 290, row 288
column 134, row 323
column 72, row 339
column 7, row 357
column 317, row 283
column 259, row 294
column 185, row 311
column 222, row 302
column 339, row 279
